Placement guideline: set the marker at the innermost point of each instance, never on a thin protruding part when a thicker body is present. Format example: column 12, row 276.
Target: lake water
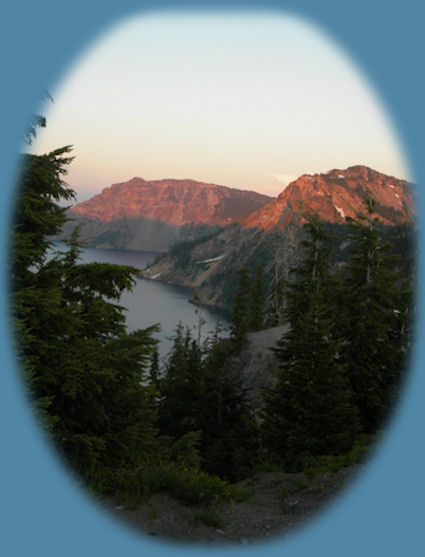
column 152, row 302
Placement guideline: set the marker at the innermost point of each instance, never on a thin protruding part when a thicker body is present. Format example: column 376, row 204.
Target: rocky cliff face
column 256, row 363
column 152, row 215
column 272, row 235
column 209, row 265
column 334, row 196
column 175, row 202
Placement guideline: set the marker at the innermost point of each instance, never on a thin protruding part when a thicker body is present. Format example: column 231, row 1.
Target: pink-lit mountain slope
column 334, row 196
column 175, row 202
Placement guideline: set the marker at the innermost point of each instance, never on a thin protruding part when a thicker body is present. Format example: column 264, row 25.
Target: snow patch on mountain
column 340, row 211
column 211, row 260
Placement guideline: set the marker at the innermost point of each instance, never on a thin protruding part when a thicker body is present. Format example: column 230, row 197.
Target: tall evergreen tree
column 376, row 306
column 154, row 370
column 309, row 411
column 240, row 312
column 257, row 302
column 196, row 395
column 177, row 411
column 85, row 372
column 36, row 296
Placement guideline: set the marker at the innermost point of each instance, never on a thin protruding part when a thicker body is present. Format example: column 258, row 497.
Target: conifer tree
column 196, row 395
column 309, row 411
column 182, row 378
column 231, row 436
column 240, row 312
column 154, row 368
column 257, row 302
column 84, row 371
column 36, row 296
column 376, row 306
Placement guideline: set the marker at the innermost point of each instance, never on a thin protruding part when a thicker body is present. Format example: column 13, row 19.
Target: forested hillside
column 129, row 427
column 210, row 263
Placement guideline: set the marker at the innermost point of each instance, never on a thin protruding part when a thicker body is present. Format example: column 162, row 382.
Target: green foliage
column 240, row 311
column 309, row 412
column 154, row 368
column 126, row 425
column 185, row 451
column 248, row 308
column 181, row 251
column 85, row 373
column 319, row 465
column 377, row 307
column 343, row 357
column 190, row 485
column 197, row 396
column 37, row 213
column 257, row 302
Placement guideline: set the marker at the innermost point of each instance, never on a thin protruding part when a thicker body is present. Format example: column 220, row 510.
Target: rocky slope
column 209, row 265
column 255, row 365
column 271, row 235
column 151, row 215
column 278, row 505
column 334, row 196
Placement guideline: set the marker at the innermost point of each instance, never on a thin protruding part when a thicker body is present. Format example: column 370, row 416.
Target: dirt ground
column 277, row 504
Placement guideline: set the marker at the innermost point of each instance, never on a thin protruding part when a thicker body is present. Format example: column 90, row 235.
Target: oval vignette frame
column 42, row 511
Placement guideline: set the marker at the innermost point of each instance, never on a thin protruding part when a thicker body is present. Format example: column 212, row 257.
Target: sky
column 250, row 101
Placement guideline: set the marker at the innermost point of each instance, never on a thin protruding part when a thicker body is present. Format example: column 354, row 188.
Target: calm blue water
column 152, row 302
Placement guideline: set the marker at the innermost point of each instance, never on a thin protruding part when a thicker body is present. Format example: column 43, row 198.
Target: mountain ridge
column 272, row 236
column 176, row 202
column 334, row 195
column 155, row 214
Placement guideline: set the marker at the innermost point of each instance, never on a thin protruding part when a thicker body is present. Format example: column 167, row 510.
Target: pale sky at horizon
column 248, row 100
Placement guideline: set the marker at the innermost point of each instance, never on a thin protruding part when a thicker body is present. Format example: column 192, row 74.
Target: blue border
column 41, row 511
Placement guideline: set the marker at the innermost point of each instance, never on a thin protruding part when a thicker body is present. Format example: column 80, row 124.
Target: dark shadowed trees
column 196, row 395
column 84, row 372
column 377, row 313
column 309, row 412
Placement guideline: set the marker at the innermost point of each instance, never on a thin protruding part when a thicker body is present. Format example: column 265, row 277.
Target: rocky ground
column 277, row 504
column 256, row 363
